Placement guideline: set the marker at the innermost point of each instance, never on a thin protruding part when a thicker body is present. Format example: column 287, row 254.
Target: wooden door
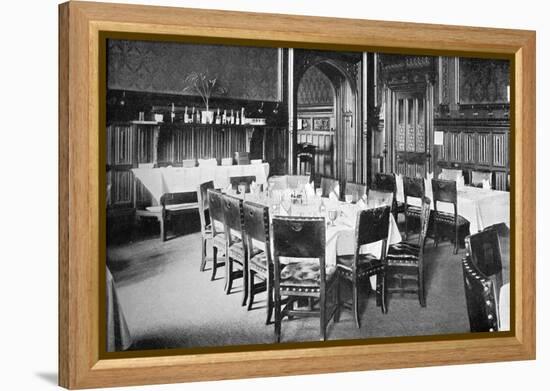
column 409, row 134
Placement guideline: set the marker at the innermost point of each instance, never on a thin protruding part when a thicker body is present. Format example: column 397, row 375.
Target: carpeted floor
column 168, row 303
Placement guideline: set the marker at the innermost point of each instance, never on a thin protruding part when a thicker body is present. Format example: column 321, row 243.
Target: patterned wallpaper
column 246, row 72
column 483, row 81
column 315, row 89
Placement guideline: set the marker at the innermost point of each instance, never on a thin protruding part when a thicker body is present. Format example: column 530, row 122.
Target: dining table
column 481, row 207
column 340, row 232
column 164, row 180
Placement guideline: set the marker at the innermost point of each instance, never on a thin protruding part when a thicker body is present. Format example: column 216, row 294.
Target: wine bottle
column 218, row 118
column 224, row 118
column 232, row 118
column 172, row 114
column 242, row 116
column 237, row 119
column 185, row 119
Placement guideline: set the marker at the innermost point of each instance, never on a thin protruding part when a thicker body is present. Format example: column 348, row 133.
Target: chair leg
column 406, row 226
column 245, row 283
column 355, row 303
column 269, row 292
column 323, row 316
column 277, row 317
column 228, row 274
column 337, row 311
column 203, row 261
column 162, row 229
column 214, row 262
column 456, row 239
column 421, row 294
column 250, row 288
column 436, row 234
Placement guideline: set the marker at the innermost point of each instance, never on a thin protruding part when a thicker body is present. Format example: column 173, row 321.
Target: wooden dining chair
column 478, row 177
column 215, row 211
column 387, row 182
column 260, row 262
column 405, row 260
column 481, row 300
column 414, row 188
column 356, row 190
column 235, row 244
column 381, row 197
column 206, row 228
column 238, row 180
column 303, row 237
column 485, row 252
column 452, row 224
column 372, row 226
column 330, row 186
column 450, row 174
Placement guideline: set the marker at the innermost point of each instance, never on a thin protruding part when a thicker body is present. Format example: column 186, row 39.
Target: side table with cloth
column 159, row 181
column 118, row 335
column 481, row 207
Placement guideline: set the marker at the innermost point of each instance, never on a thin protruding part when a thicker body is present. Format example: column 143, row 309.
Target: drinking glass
column 319, row 192
column 332, row 215
column 242, row 188
column 348, row 198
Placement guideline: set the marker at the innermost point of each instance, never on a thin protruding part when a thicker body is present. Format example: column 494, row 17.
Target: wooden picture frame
column 80, row 206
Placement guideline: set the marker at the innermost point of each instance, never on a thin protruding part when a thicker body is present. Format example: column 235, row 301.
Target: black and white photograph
column 271, row 195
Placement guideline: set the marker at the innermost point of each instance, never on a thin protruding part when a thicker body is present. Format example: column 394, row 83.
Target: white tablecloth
column 164, row 180
column 481, row 207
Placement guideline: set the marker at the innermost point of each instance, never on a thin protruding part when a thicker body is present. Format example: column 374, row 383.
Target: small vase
column 207, row 117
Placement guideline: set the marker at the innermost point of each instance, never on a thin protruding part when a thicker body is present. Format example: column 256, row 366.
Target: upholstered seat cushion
column 400, row 207
column 236, row 250
column 173, row 207
column 413, row 210
column 403, row 254
column 367, row 264
column 305, row 276
column 219, row 241
column 258, row 262
column 444, row 217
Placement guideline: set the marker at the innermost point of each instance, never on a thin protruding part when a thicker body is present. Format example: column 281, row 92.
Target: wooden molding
column 82, row 212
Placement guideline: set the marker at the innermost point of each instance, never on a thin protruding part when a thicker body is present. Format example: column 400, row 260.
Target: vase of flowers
column 204, row 85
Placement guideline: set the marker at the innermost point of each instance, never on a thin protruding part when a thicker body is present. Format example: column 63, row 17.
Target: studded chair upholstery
column 405, row 260
column 235, row 244
column 414, row 188
column 480, row 298
column 303, row 237
column 484, row 251
column 356, row 190
column 328, row 186
column 215, row 211
column 206, row 228
column 372, row 226
column 260, row 261
column 450, row 224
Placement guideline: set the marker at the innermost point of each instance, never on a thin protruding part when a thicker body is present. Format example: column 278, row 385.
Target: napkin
column 228, row 189
column 459, row 181
column 486, row 184
column 332, row 196
column 361, row 204
column 309, row 188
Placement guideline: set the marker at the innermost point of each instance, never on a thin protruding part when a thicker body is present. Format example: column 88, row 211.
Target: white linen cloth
column 504, row 307
column 481, row 207
column 159, row 181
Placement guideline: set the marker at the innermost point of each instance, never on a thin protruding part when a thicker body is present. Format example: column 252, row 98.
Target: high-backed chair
column 235, row 244
column 484, row 251
column 172, row 205
column 206, row 228
column 372, row 226
column 260, row 262
column 450, row 174
column 215, row 211
column 246, row 180
column 303, row 237
column 452, row 224
column 386, row 182
column 356, row 190
column 480, row 298
column 295, row 181
column 330, row 186
column 478, row 177
column 406, row 260
column 380, row 198
column 414, row 188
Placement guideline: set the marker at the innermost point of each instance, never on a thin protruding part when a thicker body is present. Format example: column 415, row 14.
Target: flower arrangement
column 204, row 85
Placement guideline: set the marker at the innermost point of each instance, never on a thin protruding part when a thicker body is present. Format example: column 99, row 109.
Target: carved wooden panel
column 483, row 80
column 500, row 150
column 315, row 89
